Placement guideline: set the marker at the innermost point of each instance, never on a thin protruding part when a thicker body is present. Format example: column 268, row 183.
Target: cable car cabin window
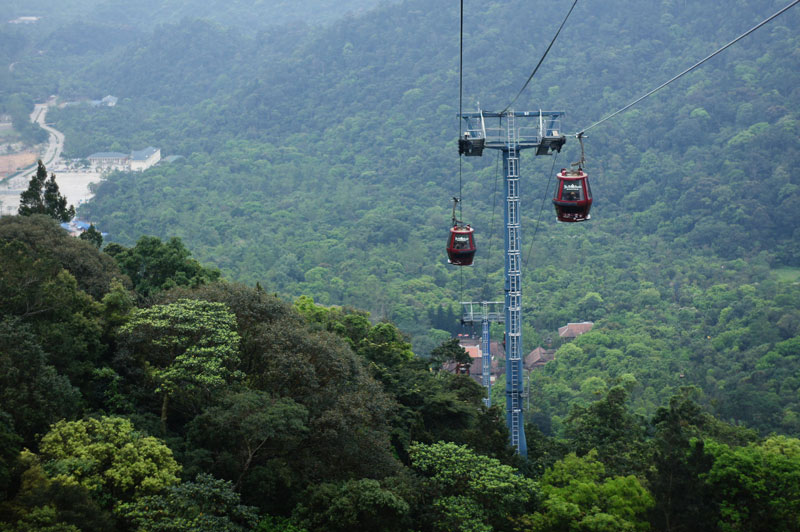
column 461, row 242
column 572, row 192
column 588, row 190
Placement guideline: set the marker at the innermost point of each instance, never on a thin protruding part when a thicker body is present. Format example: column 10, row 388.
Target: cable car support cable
column 737, row 39
column 540, row 60
column 541, row 209
column 460, row 100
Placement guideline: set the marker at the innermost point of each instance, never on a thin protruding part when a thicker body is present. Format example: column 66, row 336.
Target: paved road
column 55, row 144
column 14, row 185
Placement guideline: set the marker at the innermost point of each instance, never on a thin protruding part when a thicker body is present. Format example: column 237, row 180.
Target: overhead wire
column 541, row 209
column 460, row 108
column 542, row 59
column 737, row 39
column 460, row 100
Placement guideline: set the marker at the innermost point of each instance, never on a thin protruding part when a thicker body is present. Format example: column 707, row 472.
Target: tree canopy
column 43, row 197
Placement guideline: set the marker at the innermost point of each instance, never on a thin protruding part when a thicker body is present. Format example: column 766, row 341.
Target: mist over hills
column 248, row 17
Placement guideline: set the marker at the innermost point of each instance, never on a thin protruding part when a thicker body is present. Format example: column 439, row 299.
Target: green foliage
column 449, row 351
column 469, row 491
column 107, row 457
column 93, row 236
column 42, row 519
column 10, row 445
column 757, row 486
column 41, row 503
column 249, row 429
column 20, row 104
column 682, row 499
column 44, row 241
column 36, row 290
column 576, row 496
column 430, row 406
column 683, row 268
column 353, row 505
column 153, row 265
column 277, row 524
column 43, row 197
column 204, row 505
column 32, row 394
column 189, row 347
column 293, row 367
column 616, row 436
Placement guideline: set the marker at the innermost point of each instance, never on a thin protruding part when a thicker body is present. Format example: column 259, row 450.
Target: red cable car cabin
column 573, row 196
column 461, row 245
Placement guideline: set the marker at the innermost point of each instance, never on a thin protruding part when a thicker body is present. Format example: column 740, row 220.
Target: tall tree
column 31, row 392
column 682, row 500
column 468, row 491
column 154, row 265
column 352, row 505
column 93, row 236
column 187, row 346
column 757, row 486
column 249, row 429
column 578, row 498
column 43, row 197
column 607, row 426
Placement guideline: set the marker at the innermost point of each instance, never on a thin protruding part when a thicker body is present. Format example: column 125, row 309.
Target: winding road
column 74, row 185
column 55, row 144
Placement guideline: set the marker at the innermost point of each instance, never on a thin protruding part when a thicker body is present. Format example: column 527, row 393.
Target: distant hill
column 322, row 160
column 248, row 16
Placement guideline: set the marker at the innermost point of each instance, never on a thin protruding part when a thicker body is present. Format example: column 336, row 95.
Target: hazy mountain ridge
column 329, row 157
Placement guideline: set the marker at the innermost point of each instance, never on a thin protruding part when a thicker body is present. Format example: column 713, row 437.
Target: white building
column 137, row 161
column 109, row 159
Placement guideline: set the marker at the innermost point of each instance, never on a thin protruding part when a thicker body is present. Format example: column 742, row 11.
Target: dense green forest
column 319, row 161
column 139, row 391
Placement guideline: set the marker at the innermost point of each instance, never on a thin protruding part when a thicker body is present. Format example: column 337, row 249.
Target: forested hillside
column 322, row 163
column 320, row 160
column 138, row 391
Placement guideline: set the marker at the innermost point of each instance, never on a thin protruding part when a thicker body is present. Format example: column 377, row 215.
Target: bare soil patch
column 11, row 163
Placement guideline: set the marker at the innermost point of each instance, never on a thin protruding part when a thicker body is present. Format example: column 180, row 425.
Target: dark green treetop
column 154, row 265
column 43, row 197
column 92, row 235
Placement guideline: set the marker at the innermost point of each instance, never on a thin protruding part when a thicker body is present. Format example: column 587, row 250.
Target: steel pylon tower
column 544, row 135
column 490, row 312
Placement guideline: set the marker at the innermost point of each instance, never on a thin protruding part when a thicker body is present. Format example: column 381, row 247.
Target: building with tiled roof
column 473, row 347
column 539, row 357
column 573, row 330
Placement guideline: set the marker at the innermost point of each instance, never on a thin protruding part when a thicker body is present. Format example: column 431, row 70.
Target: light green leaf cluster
column 42, row 519
column 187, row 345
column 472, row 492
column 759, row 485
column 108, row 457
column 577, row 498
